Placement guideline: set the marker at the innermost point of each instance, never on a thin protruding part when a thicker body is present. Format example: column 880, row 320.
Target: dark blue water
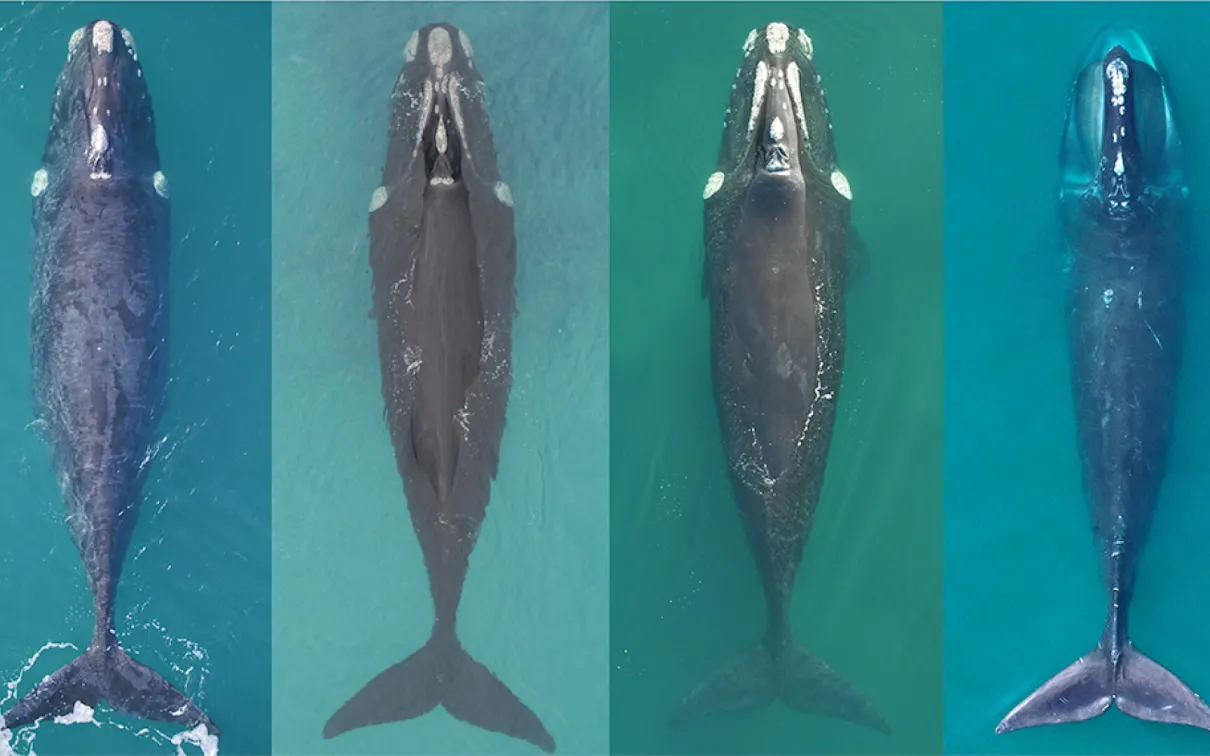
column 194, row 599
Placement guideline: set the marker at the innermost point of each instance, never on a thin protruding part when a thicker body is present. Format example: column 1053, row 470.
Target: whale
column 1123, row 209
column 443, row 264
column 99, row 315
column 779, row 243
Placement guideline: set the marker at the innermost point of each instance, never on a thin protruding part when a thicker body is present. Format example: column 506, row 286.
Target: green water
column 1023, row 595
column 685, row 595
column 193, row 602
column 350, row 592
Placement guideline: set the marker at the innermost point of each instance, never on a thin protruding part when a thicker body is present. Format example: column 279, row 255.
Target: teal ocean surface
column 1023, row 595
column 685, row 594
column 194, row 599
column 351, row 595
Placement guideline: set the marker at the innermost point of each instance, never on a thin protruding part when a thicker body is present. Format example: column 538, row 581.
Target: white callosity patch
column 777, row 35
column 76, row 38
column 440, row 48
column 713, row 184
column 379, row 198
column 442, row 139
column 777, row 130
column 98, row 143
column 750, row 42
column 1119, row 167
column 793, row 82
column 128, row 38
column 758, row 94
column 807, row 47
column 41, row 181
column 503, row 193
column 465, row 41
column 102, row 36
column 453, row 96
column 409, row 50
column 1118, row 74
column 160, row 182
column 841, row 184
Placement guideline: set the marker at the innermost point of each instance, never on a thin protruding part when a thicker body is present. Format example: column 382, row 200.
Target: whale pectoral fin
column 859, row 259
column 1147, row 691
column 1081, row 691
column 805, row 683
column 742, row 683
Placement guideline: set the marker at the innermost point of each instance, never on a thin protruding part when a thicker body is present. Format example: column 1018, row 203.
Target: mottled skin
column 1124, row 211
column 443, row 255
column 99, row 352
column 777, row 237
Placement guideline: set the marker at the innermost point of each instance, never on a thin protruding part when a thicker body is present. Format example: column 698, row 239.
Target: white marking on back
column 160, row 182
column 128, row 38
column 41, row 181
column 713, row 184
column 379, row 198
column 503, row 193
column 465, row 41
column 102, row 36
column 841, row 185
column 805, row 41
column 777, row 35
column 758, row 94
column 409, row 50
column 440, row 47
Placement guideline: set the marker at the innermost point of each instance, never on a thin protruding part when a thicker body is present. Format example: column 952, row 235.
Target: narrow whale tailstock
column 1141, row 688
column 107, row 672
column 441, row 673
column 757, row 677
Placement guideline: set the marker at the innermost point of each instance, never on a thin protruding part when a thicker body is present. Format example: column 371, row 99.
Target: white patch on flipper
column 102, row 36
column 160, row 182
column 440, row 47
column 128, row 38
column 76, row 38
column 805, row 41
column 713, row 184
column 41, row 181
column 465, row 41
column 842, row 185
column 503, row 193
column 379, row 198
column 777, row 35
column 81, row 713
column 409, row 50
column 750, row 42
column 758, row 94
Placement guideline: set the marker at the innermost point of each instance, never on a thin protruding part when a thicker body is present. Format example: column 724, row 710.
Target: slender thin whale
column 1123, row 206
column 443, row 260
column 778, row 241
column 100, row 320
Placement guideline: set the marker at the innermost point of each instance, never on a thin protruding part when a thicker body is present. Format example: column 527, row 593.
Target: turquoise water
column 1023, row 597
column 194, row 599
column 350, row 591
column 685, row 595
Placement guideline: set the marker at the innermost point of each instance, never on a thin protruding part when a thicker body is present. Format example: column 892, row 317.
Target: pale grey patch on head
column 379, row 198
column 160, row 182
column 841, row 184
column 465, row 41
column 442, row 138
column 758, row 94
column 102, row 36
column 41, row 181
column 503, row 193
column 409, row 50
column 441, row 49
column 796, row 96
column 777, row 35
column 128, row 38
column 805, row 41
column 76, row 38
column 713, row 184
column 750, row 42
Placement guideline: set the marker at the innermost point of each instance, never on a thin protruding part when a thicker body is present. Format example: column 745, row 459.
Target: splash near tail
column 107, row 673
column 757, row 677
column 441, row 673
column 1142, row 689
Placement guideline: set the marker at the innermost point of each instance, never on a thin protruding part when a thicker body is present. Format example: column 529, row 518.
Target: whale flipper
column 802, row 681
column 112, row 675
column 1142, row 689
column 441, row 672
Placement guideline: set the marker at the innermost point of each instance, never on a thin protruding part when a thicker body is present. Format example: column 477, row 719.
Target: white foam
column 198, row 736
column 81, row 713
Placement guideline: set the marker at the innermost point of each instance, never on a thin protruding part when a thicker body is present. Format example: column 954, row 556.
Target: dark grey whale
column 100, row 321
column 1124, row 212
column 778, row 247
column 443, row 258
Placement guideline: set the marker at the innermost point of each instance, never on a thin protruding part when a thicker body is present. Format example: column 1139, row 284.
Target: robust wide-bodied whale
column 1123, row 207
column 99, row 348
column 778, row 240
column 443, row 260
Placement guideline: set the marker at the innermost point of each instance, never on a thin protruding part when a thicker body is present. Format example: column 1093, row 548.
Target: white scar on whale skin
column 841, row 184
column 41, row 181
column 503, row 193
column 160, row 182
column 379, row 198
column 713, row 184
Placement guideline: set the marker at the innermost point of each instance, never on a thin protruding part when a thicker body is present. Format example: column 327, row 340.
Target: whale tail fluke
column 441, row 673
column 1141, row 688
column 803, row 682
column 105, row 672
